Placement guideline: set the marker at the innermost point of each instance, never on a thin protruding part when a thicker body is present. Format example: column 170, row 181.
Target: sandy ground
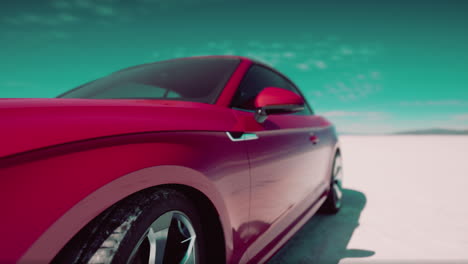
column 405, row 202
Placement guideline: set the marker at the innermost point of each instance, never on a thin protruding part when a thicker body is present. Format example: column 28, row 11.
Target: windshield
column 194, row 79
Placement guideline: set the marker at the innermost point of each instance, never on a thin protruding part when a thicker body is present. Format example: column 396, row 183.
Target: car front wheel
column 151, row 227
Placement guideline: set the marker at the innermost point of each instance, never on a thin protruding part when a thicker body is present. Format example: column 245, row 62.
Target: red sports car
column 213, row 159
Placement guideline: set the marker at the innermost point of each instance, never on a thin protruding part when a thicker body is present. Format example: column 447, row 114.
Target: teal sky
column 370, row 66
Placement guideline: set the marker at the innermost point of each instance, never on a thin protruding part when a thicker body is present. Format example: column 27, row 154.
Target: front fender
column 48, row 195
column 57, row 235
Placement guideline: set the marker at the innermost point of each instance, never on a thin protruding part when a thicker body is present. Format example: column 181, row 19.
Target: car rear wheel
column 157, row 227
column 334, row 199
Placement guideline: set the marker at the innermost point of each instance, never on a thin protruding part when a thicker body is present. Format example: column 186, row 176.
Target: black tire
column 126, row 227
column 333, row 202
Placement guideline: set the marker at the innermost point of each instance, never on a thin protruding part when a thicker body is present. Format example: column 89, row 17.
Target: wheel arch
column 190, row 182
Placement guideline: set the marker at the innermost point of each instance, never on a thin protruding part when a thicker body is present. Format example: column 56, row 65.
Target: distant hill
column 433, row 131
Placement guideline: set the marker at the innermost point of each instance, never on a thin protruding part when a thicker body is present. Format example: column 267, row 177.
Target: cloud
column 303, row 66
column 66, row 17
column 212, row 44
column 31, row 18
column 289, row 54
column 460, row 117
column 336, row 58
column 104, row 10
column 17, row 84
column 181, row 54
column 12, row 21
column 344, row 92
column 315, row 93
column 348, row 96
column 376, row 75
column 66, row 12
column 61, row 4
column 59, row 34
column 351, row 79
column 229, row 52
column 219, row 45
column 27, row 18
column 349, row 88
column 101, row 10
column 367, row 115
column 366, row 51
column 361, row 76
column 255, row 43
column 346, row 50
column 435, row 103
column 276, row 45
column 320, row 64
column 299, row 46
column 83, row 3
column 275, row 55
column 95, row 7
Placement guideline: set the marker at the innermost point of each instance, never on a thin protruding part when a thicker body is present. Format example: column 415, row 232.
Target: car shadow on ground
column 324, row 239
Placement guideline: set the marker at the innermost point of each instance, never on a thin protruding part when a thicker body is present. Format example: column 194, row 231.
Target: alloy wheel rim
column 336, row 187
column 171, row 238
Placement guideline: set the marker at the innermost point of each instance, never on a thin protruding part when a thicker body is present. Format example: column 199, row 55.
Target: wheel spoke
column 182, row 239
column 158, row 236
column 189, row 256
column 337, row 181
column 337, row 170
column 163, row 222
column 337, row 191
column 170, row 239
column 157, row 245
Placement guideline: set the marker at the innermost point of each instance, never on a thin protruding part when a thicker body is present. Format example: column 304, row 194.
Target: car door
column 287, row 170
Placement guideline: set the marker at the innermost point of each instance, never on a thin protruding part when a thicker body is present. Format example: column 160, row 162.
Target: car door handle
column 314, row 138
column 236, row 136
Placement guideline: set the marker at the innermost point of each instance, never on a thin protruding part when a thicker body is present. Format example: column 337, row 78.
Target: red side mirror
column 273, row 100
column 271, row 96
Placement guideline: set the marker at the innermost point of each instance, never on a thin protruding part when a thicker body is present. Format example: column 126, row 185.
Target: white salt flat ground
column 406, row 201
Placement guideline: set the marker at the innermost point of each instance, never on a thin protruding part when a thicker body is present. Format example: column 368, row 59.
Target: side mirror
column 273, row 100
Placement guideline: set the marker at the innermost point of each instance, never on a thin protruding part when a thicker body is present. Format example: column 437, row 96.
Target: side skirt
column 275, row 245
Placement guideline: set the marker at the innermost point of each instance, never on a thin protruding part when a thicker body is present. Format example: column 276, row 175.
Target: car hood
column 28, row 124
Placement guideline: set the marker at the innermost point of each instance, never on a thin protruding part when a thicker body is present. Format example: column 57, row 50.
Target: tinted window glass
column 256, row 79
column 196, row 79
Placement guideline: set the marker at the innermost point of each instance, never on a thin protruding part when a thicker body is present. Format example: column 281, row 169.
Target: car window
column 135, row 90
column 194, row 79
column 256, row 79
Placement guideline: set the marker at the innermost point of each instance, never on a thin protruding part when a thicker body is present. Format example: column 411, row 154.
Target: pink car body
column 64, row 161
